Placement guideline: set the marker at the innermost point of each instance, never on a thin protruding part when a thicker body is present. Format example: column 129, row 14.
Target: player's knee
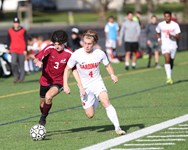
column 90, row 115
column 48, row 99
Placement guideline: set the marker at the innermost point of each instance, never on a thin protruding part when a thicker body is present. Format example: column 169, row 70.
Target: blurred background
column 42, row 17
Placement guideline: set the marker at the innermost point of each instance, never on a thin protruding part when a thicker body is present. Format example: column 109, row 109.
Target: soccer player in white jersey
column 168, row 32
column 90, row 83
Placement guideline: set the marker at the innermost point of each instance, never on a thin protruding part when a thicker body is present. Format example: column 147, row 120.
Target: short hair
column 167, row 12
column 91, row 34
column 59, row 36
column 129, row 12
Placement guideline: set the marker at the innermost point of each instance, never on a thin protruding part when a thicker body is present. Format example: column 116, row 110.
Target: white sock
column 168, row 71
column 133, row 64
column 126, row 63
column 112, row 115
column 26, row 66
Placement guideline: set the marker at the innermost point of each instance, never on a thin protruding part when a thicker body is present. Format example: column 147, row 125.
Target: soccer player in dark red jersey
column 52, row 59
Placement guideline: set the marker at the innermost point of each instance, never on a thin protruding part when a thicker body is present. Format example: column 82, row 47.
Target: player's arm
column 111, row 73
column 65, row 79
column 79, row 83
column 159, row 38
column 176, row 36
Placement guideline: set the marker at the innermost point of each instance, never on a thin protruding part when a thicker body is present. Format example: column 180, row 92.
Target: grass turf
column 141, row 99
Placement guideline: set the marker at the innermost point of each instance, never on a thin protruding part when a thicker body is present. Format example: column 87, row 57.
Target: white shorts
column 172, row 52
column 111, row 44
column 92, row 94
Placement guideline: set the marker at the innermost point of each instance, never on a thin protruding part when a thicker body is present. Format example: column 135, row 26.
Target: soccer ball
column 37, row 132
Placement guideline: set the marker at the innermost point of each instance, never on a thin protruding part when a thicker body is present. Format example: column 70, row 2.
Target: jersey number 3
column 56, row 65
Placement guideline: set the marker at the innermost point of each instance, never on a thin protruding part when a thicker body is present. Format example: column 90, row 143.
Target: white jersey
column 88, row 65
column 165, row 29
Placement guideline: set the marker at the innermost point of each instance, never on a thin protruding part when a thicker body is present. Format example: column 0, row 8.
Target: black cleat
column 42, row 122
column 126, row 67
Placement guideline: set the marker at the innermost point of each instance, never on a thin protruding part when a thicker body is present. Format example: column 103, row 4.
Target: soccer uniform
column 169, row 45
column 54, row 63
column 87, row 65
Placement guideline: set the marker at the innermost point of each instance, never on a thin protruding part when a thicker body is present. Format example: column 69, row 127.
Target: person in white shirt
column 90, row 83
column 168, row 32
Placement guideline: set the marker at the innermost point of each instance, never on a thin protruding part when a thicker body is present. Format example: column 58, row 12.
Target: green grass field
column 141, row 99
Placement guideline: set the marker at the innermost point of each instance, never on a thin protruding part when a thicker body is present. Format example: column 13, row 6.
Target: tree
column 100, row 6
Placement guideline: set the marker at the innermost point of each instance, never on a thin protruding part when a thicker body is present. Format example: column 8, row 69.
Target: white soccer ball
column 38, row 132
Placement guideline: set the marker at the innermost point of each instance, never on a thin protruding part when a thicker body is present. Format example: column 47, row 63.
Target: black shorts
column 131, row 46
column 44, row 89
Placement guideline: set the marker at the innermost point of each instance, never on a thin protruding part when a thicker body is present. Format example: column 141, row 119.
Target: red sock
column 41, row 109
column 46, row 109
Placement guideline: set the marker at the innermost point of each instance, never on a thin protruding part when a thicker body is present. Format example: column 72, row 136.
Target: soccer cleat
column 169, row 81
column 126, row 67
column 42, row 122
column 120, row 132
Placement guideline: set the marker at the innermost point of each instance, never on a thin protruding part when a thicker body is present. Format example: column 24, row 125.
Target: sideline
column 137, row 134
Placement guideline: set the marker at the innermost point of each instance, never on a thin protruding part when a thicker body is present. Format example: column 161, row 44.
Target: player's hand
column 39, row 64
column 120, row 43
column 66, row 89
column 148, row 42
column 114, row 78
column 82, row 91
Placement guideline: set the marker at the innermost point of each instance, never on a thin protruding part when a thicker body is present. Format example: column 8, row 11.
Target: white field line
column 183, row 125
column 166, row 136
column 176, row 132
column 137, row 134
column 149, row 148
column 178, row 128
column 159, row 140
column 150, row 144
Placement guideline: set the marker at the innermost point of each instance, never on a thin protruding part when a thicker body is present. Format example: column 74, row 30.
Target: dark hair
column 59, row 36
column 129, row 12
column 168, row 12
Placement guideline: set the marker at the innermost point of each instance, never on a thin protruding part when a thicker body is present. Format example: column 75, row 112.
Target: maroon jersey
column 54, row 63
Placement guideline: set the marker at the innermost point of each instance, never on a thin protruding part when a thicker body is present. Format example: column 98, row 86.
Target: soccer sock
column 46, row 109
column 168, row 70
column 133, row 64
column 41, row 109
column 112, row 115
column 126, row 63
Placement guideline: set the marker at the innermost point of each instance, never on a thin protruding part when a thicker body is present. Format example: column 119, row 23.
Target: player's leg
column 53, row 91
column 127, row 55
column 134, row 50
column 21, row 59
column 168, row 68
column 111, row 112
column 89, row 104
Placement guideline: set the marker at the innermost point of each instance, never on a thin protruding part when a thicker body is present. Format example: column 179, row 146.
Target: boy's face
column 167, row 17
column 59, row 47
column 88, row 44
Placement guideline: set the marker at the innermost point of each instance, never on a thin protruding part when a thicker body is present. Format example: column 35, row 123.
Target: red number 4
column 91, row 74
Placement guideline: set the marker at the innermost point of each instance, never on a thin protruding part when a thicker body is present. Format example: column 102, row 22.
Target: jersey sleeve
column 72, row 61
column 43, row 53
column 104, row 58
column 177, row 30
column 157, row 29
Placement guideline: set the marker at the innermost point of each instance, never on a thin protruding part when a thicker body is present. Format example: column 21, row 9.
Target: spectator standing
column 168, row 32
column 152, row 43
column 130, row 30
column 17, row 46
column 111, row 35
column 75, row 41
column 92, row 88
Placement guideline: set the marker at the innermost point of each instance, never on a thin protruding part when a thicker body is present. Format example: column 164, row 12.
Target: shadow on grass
column 104, row 128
